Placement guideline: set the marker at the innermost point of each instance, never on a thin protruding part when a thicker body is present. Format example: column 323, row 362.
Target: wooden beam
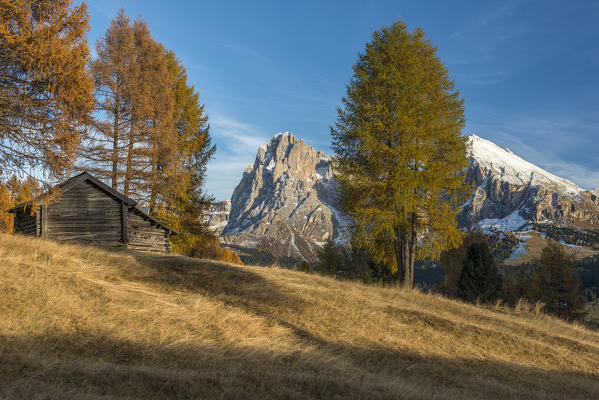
column 44, row 220
column 124, row 212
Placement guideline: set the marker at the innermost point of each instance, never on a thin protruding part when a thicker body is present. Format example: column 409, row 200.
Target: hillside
column 79, row 322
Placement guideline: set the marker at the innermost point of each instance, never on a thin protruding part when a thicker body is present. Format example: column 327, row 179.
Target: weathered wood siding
column 25, row 223
column 85, row 213
column 143, row 235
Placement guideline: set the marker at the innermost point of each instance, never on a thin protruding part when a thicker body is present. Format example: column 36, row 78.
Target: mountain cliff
column 511, row 194
column 286, row 202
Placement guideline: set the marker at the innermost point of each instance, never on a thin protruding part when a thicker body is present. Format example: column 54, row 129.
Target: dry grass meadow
column 81, row 322
column 535, row 244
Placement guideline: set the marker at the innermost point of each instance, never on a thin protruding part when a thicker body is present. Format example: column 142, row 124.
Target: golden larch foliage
column 45, row 88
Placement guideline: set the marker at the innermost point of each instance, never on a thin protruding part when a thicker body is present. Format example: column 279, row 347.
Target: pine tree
column 479, row 279
column 330, row 259
column 400, row 153
column 555, row 282
column 45, row 89
column 452, row 261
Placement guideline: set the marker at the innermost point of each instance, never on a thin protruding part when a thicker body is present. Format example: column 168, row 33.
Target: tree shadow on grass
column 322, row 369
column 234, row 286
column 87, row 366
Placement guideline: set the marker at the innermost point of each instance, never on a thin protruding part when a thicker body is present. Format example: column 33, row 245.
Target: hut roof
column 86, row 176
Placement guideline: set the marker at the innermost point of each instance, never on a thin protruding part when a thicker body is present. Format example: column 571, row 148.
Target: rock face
column 218, row 216
column 510, row 193
column 286, row 202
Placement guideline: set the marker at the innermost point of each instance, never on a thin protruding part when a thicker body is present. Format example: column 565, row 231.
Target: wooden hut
column 85, row 209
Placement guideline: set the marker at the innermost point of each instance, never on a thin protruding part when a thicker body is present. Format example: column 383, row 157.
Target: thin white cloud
column 236, row 146
column 238, row 137
column 485, row 20
column 223, row 176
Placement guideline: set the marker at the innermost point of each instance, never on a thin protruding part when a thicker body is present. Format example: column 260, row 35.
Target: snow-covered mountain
column 511, row 194
column 286, row 201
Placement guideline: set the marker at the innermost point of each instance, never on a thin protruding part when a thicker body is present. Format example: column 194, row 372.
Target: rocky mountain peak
column 286, row 202
column 286, row 155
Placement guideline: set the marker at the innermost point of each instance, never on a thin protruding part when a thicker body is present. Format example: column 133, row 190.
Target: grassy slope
column 87, row 323
column 535, row 244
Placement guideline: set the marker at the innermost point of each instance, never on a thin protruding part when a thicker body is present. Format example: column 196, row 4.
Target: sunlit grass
column 82, row 322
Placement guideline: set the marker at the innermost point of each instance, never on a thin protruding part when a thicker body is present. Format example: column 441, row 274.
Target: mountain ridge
column 286, row 202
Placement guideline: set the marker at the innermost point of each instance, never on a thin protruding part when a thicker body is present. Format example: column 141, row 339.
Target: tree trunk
column 406, row 259
column 405, row 253
column 398, row 255
column 115, row 146
column 129, row 166
column 412, row 249
column 154, row 170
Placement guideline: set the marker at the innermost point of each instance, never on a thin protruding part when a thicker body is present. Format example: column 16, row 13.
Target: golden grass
column 80, row 322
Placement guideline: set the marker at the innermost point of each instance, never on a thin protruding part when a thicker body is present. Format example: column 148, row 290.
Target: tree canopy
column 45, row 88
column 133, row 142
column 400, row 153
column 151, row 138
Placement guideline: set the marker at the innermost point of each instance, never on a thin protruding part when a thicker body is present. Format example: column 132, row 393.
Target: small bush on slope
column 79, row 322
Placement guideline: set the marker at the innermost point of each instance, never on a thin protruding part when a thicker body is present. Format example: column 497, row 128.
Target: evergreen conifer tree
column 479, row 279
column 556, row 283
column 330, row 259
column 400, row 153
column 452, row 261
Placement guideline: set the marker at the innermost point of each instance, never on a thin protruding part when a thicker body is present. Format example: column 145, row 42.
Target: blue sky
column 528, row 70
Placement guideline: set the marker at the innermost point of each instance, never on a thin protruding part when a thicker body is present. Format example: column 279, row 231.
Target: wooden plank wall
column 85, row 213
column 25, row 223
column 145, row 236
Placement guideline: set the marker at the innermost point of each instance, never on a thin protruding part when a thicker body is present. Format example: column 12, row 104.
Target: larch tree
column 13, row 192
column 555, row 282
column 45, row 88
column 183, row 202
column 399, row 151
column 152, row 143
column 152, row 136
column 133, row 142
column 111, row 70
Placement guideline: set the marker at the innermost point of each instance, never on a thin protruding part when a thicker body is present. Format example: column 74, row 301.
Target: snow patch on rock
column 510, row 223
